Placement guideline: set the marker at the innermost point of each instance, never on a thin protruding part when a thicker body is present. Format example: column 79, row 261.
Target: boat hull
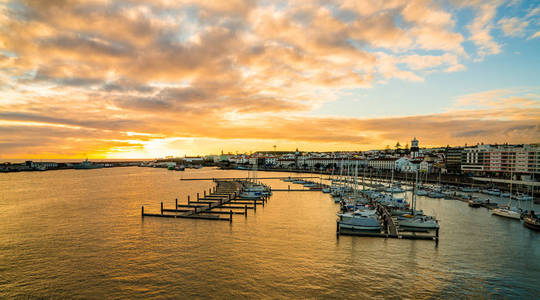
column 506, row 214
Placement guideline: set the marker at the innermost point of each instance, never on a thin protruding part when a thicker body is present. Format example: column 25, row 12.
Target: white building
column 194, row 159
column 383, row 163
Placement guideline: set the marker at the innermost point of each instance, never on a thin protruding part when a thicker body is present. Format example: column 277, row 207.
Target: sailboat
column 508, row 211
column 414, row 220
column 254, row 190
column 531, row 220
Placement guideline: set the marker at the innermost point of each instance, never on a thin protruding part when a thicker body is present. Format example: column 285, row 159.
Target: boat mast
column 415, row 183
column 356, row 180
column 364, row 175
column 511, row 178
column 392, row 185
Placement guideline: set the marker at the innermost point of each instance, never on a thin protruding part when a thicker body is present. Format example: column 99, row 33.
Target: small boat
column 326, row 190
column 435, row 195
column 475, row 202
column 523, row 198
column 394, row 189
column 421, row 192
column 250, row 195
column 531, row 221
column 469, row 189
column 494, row 192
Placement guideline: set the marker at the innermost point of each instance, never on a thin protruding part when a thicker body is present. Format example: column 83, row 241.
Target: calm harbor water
column 79, row 234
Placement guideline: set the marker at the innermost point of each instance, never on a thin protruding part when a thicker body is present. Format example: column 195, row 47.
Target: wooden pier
column 220, row 204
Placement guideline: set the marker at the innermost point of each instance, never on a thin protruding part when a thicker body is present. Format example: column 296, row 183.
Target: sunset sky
column 136, row 79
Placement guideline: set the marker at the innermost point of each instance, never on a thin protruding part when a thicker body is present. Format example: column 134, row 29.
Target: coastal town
column 521, row 162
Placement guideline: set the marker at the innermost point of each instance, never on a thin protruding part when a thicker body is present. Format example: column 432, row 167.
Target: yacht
column 418, row 222
column 507, row 212
column 359, row 221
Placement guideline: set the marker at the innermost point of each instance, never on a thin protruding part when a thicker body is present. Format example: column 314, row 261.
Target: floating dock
column 212, row 206
column 391, row 229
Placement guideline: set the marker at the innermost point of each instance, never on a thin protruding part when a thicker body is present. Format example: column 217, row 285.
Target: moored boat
column 507, row 213
column 475, row 202
column 531, row 221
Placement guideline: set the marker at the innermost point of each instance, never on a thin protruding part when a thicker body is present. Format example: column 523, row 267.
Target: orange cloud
column 111, row 78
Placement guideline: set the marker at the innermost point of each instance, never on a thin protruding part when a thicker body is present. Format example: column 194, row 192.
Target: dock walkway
column 225, row 195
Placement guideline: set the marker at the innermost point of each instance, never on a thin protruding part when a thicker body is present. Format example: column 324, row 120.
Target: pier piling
column 211, row 205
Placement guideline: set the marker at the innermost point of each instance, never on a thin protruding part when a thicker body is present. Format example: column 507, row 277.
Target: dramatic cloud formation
column 144, row 79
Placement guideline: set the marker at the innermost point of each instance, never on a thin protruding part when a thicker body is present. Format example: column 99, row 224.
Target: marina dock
column 391, row 229
column 220, row 204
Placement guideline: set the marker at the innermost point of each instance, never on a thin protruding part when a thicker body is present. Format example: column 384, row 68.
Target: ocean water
column 79, row 234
